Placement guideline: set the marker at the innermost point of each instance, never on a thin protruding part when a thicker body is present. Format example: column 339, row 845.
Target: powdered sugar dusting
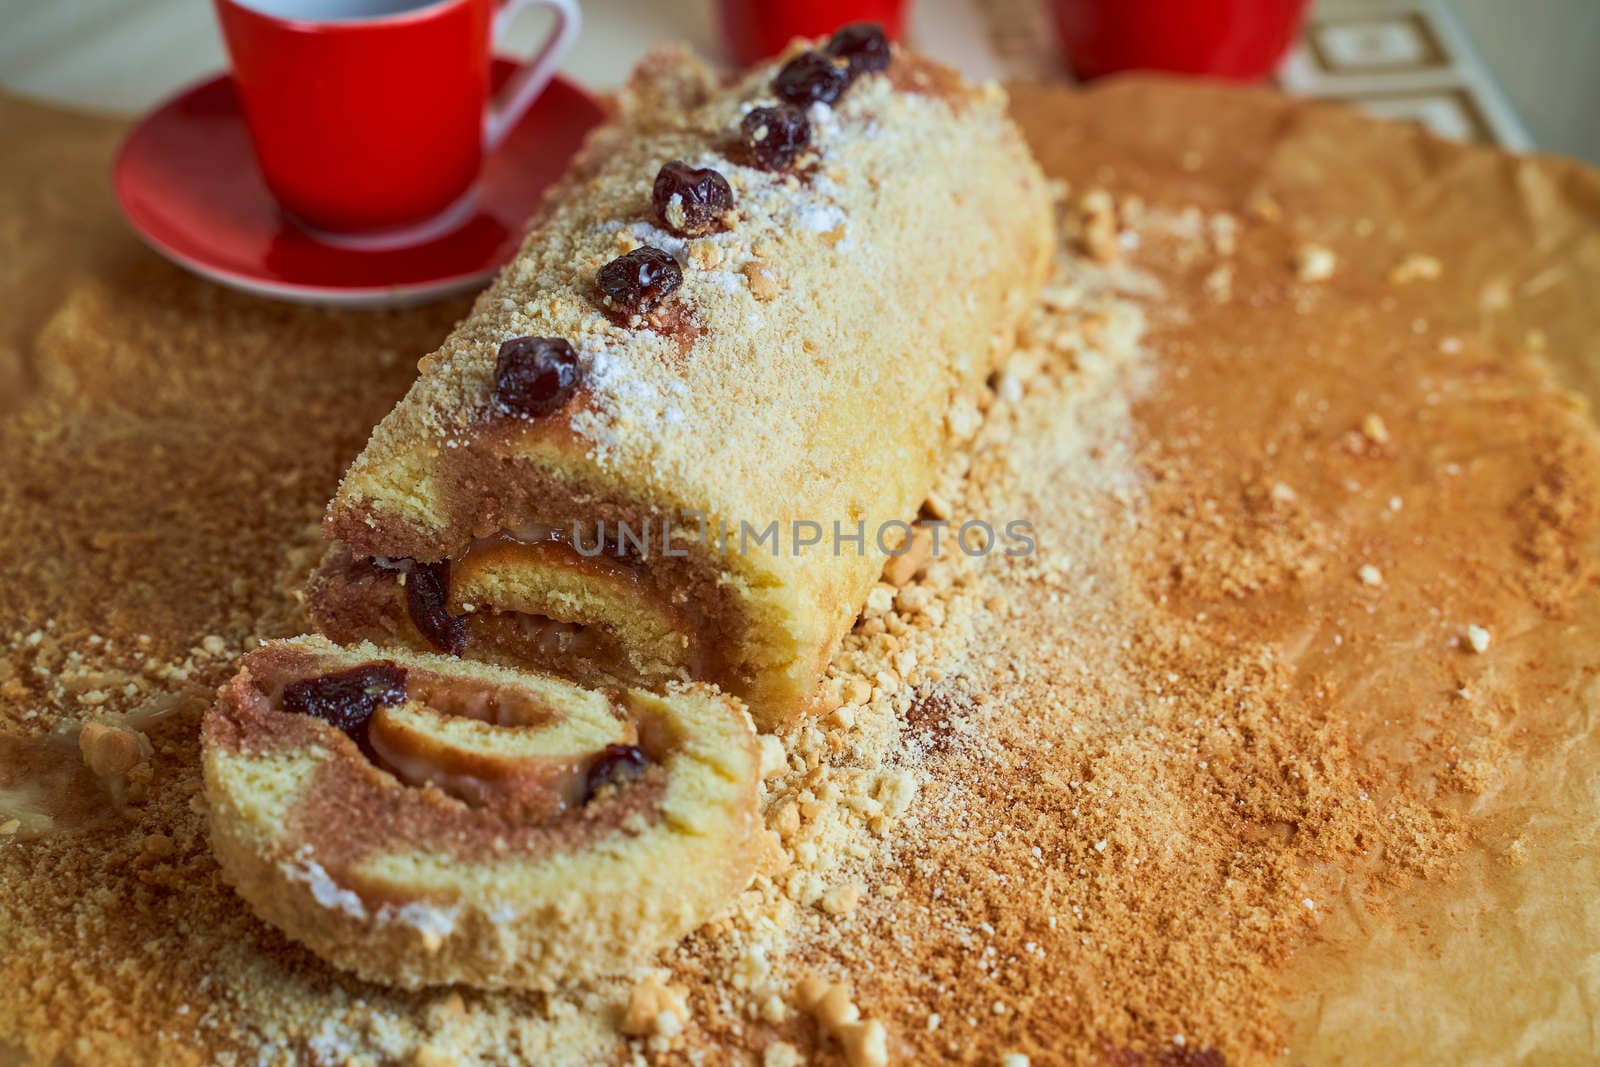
column 324, row 890
column 428, row 919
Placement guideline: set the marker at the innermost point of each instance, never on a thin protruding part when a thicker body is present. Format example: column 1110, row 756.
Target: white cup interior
column 338, row 10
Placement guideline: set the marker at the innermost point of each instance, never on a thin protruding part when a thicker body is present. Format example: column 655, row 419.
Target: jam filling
column 691, row 202
column 862, row 45
column 614, row 768
column 346, row 700
column 534, row 376
column 636, row 283
column 774, row 137
column 811, row 78
column 427, row 601
column 821, row 77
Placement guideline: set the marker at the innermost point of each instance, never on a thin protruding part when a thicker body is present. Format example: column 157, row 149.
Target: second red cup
column 1237, row 39
column 758, row 29
column 370, row 118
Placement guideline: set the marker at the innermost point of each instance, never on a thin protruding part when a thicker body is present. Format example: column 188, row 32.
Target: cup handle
column 524, row 87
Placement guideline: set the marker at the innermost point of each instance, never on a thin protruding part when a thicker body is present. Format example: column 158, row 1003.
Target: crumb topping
column 783, row 261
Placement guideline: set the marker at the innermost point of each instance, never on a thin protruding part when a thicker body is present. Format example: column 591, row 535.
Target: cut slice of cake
column 419, row 819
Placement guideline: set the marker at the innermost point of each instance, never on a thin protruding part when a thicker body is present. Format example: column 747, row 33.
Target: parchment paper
column 1501, row 963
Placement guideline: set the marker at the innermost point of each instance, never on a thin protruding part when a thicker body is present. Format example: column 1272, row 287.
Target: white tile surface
column 1546, row 55
column 1403, row 59
column 1376, row 44
column 1440, row 112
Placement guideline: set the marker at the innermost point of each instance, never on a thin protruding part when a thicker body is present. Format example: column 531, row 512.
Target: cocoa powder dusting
column 1078, row 805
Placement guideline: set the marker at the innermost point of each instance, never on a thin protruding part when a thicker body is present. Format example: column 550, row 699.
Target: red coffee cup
column 757, row 29
column 370, row 118
column 1238, row 39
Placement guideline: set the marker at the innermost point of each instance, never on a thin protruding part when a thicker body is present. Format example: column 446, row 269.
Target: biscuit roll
column 700, row 374
column 418, row 819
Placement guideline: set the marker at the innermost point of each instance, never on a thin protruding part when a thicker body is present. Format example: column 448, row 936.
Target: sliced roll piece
column 675, row 437
column 418, row 819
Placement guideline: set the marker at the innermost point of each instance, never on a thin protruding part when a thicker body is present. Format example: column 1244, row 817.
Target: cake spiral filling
column 538, row 595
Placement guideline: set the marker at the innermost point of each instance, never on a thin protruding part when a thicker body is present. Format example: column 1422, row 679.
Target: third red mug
column 1239, row 39
column 372, row 116
column 756, row 29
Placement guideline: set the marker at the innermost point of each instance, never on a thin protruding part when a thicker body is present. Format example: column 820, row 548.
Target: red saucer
column 187, row 180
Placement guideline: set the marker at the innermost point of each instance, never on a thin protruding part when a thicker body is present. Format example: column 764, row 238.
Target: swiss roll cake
column 420, row 820
column 666, row 444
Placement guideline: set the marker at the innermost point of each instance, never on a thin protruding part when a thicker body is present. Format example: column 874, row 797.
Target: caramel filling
column 531, row 595
column 485, row 745
column 519, row 770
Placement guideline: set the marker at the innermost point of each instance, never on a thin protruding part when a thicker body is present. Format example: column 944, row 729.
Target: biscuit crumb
column 859, row 691
column 1098, row 220
column 446, row 1009
column 865, row 1044
column 1478, row 639
column 774, row 859
column 654, row 1009
column 879, row 601
column 763, row 280
column 774, row 760
column 774, row 1010
column 429, row 1056
column 1218, row 284
column 781, row 1054
column 787, row 820
column 1416, row 268
column 902, row 568
column 828, row 1003
column 841, row 900
column 158, row 847
column 1263, row 208
column 1224, row 231
column 111, row 751
column 705, row 255
column 1374, row 429
column 1314, row 263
